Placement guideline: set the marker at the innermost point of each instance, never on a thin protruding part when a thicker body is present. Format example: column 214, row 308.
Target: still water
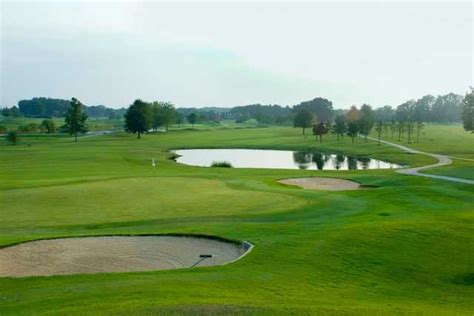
column 279, row 159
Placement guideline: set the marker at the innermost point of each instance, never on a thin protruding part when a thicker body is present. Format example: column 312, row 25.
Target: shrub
column 12, row 137
column 174, row 156
column 221, row 164
column 49, row 126
column 29, row 128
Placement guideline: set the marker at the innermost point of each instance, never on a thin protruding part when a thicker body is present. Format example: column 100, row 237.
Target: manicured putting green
column 116, row 200
column 114, row 254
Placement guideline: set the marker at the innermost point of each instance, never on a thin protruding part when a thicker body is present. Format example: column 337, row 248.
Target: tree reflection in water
column 303, row 159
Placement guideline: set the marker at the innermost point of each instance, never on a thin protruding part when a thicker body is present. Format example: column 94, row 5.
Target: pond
column 279, row 159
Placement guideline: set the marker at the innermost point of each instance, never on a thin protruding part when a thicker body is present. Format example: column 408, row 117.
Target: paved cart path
column 443, row 160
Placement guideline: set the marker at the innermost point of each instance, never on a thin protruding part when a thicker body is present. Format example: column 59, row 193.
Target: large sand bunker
column 317, row 183
column 115, row 254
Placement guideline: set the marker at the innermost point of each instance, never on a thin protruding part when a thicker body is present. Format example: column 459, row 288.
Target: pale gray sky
column 234, row 53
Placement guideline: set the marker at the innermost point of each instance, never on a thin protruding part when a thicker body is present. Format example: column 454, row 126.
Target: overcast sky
column 227, row 54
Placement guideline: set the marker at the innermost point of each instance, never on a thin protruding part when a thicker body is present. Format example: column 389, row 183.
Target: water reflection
column 279, row 159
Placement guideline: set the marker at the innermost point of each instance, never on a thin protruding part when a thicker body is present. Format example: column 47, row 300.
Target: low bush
column 221, row 164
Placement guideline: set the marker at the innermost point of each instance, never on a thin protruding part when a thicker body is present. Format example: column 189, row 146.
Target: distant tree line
column 263, row 114
column 203, row 115
column 48, row 107
column 406, row 121
column 317, row 114
column 442, row 109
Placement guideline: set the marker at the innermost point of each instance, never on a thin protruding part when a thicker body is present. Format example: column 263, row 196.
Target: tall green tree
column 163, row 114
column 422, row 108
column 138, row 118
column 339, row 127
column 379, row 126
column 304, row 119
column 401, row 129
column 393, row 128
column 366, row 120
column 75, row 119
column 447, row 108
column 404, row 111
column 179, row 119
column 319, row 130
column 384, row 114
column 419, row 127
column 352, row 119
column 468, row 111
column 352, row 130
column 410, row 127
column 192, row 118
column 319, row 107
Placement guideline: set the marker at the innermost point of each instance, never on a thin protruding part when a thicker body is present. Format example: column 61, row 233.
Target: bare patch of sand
column 318, row 183
column 113, row 254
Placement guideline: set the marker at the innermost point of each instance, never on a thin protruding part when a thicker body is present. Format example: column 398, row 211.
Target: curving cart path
column 443, row 160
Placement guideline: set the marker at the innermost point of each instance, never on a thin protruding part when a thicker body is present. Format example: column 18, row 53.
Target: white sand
column 112, row 254
column 317, row 183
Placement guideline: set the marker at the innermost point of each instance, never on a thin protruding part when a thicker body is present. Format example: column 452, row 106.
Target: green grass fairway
column 404, row 247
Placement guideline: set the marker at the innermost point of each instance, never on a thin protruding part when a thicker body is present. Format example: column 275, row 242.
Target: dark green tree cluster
column 11, row 112
column 264, row 114
column 206, row 114
column 321, row 108
column 48, row 107
column 142, row 116
column 101, row 111
column 43, row 107
column 163, row 114
column 352, row 123
column 442, row 109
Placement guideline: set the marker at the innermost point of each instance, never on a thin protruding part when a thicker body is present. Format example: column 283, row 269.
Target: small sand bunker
column 115, row 254
column 317, row 183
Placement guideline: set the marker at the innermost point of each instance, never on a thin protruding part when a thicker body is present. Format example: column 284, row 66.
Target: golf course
column 398, row 244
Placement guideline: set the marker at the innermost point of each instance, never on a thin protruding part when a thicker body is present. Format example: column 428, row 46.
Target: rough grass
column 402, row 247
column 451, row 140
